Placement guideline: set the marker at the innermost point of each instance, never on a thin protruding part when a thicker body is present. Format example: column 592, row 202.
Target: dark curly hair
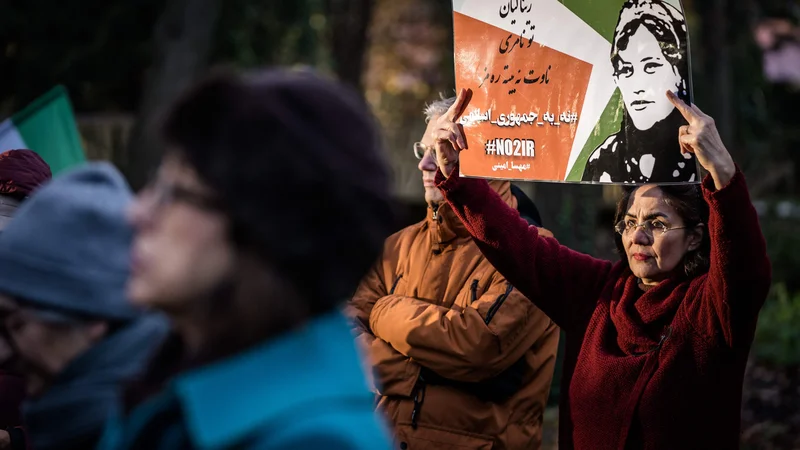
column 688, row 202
column 297, row 164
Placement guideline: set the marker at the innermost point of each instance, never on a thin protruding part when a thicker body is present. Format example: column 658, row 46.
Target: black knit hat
column 298, row 164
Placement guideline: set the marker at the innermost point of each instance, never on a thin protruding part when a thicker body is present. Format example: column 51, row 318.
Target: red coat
column 660, row 369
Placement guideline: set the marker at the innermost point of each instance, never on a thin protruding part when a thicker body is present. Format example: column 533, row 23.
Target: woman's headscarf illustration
column 649, row 57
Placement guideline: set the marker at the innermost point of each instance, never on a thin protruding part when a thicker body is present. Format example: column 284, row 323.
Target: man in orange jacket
column 460, row 358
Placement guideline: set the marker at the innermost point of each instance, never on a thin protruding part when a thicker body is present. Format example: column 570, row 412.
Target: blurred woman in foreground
column 657, row 343
column 270, row 204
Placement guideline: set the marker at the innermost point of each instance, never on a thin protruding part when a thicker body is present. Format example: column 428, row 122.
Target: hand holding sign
column 449, row 135
column 702, row 139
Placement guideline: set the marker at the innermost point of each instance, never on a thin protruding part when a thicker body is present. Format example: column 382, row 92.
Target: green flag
column 46, row 126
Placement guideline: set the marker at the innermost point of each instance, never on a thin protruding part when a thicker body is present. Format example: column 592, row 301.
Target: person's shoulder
column 409, row 231
column 399, row 243
column 317, row 440
column 313, row 442
column 333, row 426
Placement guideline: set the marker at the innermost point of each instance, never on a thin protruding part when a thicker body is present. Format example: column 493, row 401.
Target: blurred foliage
column 770, row 417
column 759, row 118
column 771, row 393
column 101, row 50
column 778, row 333
column 409, row 63
column 783, row 247
column 254, row 33
column 43, row 43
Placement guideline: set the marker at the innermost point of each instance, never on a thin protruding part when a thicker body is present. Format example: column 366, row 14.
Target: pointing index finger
column 686, row 111
column 460, row 105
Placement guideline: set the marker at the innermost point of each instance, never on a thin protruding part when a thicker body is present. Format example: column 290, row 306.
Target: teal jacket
column 303, row 390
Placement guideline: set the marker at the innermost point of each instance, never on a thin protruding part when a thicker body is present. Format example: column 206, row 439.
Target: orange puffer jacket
column 459, row 358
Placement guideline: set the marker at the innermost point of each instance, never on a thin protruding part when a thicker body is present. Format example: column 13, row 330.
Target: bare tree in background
column 348, row 22
column 182, row 43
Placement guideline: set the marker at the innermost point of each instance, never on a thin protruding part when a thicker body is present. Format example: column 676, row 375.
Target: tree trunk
column 717, row 54
column 182, row 40
column 348, row 22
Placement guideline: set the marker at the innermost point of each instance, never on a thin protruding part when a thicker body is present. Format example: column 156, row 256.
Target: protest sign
column 573, row 91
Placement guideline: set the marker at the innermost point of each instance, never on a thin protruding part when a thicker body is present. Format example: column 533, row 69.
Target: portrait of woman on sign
column 649, row 56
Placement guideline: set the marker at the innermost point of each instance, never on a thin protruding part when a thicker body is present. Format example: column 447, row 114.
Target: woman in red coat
column 657, row 342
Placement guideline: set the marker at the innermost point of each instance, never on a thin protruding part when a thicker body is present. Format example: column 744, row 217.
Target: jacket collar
column 228, row 400
column 446, row 228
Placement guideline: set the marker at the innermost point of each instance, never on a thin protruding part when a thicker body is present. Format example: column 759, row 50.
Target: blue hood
column 68, row 247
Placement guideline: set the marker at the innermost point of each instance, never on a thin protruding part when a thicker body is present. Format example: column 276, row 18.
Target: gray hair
column 438, row 107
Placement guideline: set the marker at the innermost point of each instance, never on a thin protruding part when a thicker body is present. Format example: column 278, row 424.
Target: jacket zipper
column 498, row 303
column 419, row 397
column 474, row 289
column 437, row 246
column 397, row 280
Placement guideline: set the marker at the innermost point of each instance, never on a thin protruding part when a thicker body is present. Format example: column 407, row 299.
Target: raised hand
column 702, row 138
column 448, row 136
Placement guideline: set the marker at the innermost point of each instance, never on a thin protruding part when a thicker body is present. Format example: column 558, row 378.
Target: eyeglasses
column 164, row 193
column 651, row 228
column 420, row 149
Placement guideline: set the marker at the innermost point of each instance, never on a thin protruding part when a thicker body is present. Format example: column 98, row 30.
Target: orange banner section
column 526, row 102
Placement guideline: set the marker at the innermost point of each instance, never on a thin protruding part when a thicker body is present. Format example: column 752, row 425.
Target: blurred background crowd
column 123, row 62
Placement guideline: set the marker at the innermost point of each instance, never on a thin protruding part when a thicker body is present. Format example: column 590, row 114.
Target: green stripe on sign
column 610, row 123
column 48, row 127
column 601, row 15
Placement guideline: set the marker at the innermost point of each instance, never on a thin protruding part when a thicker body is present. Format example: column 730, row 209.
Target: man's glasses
column 420, row 149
